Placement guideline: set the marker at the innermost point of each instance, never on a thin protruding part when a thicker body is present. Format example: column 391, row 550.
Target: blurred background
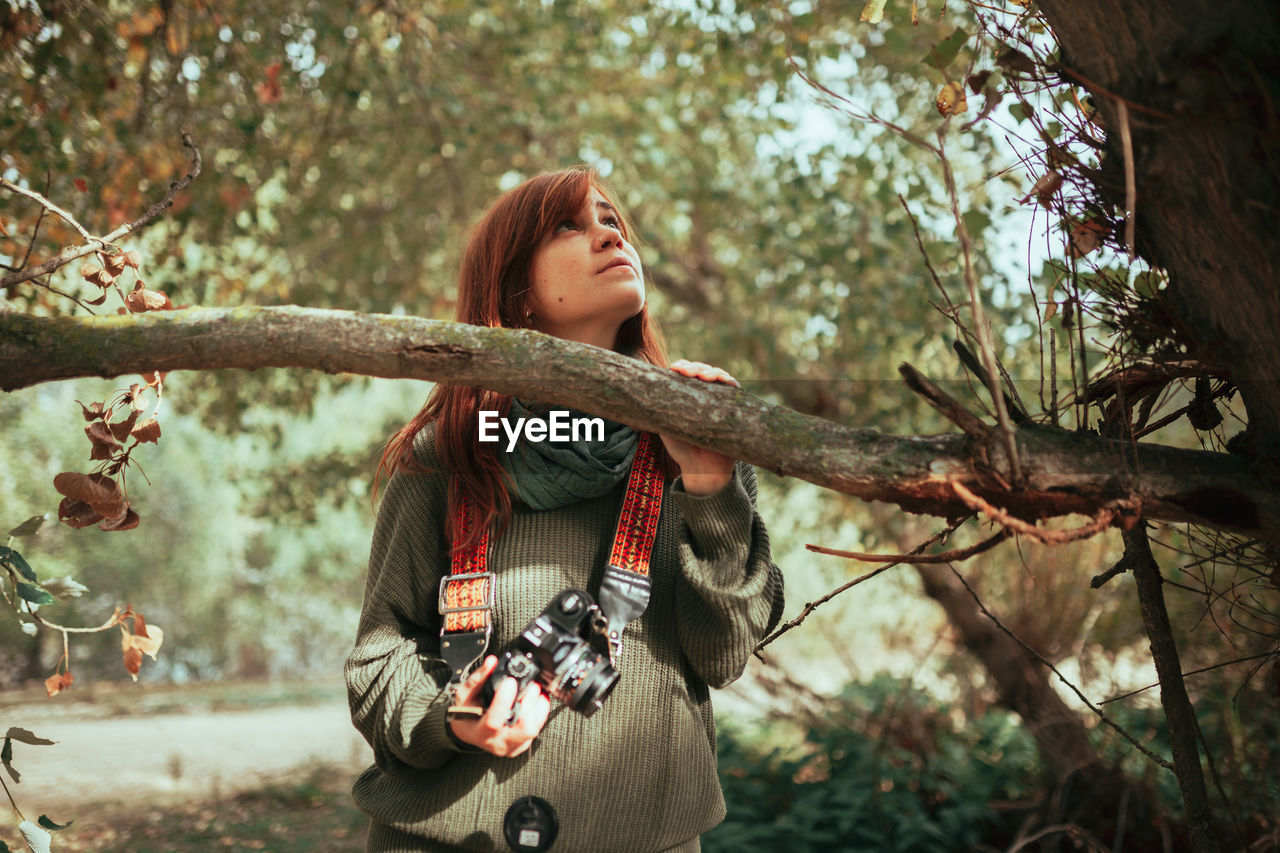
column 347, row 147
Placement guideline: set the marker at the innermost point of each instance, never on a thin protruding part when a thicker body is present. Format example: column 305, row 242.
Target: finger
column 706, row 372
column 500, row 708
column 470, row 689
column 535, row 707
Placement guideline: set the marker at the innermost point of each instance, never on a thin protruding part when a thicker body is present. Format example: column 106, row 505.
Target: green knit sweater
column 638, row 775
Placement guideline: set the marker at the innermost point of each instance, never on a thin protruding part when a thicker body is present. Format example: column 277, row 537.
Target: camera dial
column 519, row 667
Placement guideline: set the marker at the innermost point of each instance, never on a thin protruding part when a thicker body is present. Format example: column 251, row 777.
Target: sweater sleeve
column 729, row 593
column 395, row 678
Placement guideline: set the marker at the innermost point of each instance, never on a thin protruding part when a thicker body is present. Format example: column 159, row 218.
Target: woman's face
column 586, row 279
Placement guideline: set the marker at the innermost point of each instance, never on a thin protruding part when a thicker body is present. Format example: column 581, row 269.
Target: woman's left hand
column 702, row 472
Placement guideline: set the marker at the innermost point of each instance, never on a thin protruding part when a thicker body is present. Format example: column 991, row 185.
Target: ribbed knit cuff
column 719, row 522
column 431, row 743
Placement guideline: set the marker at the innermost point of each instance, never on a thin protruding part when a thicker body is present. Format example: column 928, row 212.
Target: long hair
column 494, row 290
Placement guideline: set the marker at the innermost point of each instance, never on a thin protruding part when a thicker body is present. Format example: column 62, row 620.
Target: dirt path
column 165, row 757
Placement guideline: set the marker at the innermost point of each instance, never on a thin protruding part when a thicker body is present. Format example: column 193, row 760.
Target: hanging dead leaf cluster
column 105, row 274
column 98, row 497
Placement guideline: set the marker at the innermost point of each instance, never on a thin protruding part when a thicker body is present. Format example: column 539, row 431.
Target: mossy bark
column 1065, row 472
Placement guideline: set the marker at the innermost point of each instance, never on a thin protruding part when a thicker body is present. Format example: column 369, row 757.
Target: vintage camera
column 560, row 650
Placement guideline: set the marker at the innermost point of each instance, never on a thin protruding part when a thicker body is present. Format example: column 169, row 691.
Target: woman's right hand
column 490, row 731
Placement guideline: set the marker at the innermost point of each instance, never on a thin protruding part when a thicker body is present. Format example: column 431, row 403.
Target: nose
column 609, row 236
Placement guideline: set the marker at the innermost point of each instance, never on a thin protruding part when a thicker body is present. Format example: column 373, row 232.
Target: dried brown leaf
column 114, row 264
column 101, row 493
column 138, row 396
column 132, row 660
column 120, row 429
column 951, row 100
column 1015, row 61
column 1044, row 189
column 140, row 299
column 1086, row 236
column 148, row 430
column 104, row 443
column 77, row 513
column 56, row 683
column 135, row 646
column 978, row 80
column 125, row 521
column 92, row 412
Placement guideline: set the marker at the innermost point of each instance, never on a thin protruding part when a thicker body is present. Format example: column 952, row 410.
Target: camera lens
column 583, row 680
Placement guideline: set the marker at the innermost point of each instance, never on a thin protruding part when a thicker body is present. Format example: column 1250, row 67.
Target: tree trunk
column 1202, row 81
column 1096, row 797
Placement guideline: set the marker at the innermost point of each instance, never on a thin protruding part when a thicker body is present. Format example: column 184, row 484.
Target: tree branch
column 1178, row 711
column 1065, row 472
column 66, row 257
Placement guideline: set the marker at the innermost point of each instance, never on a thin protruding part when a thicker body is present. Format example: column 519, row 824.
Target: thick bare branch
column 1065, row 472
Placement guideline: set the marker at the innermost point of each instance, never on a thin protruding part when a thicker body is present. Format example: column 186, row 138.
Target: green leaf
column 30, row 527
column 44, row 821
column 873, row 12
column 24, row 736
column 35, row 594
column 13, row 558
column 945, row 51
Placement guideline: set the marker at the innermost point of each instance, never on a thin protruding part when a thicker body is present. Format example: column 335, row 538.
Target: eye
column 565, row 225
column 613, row 222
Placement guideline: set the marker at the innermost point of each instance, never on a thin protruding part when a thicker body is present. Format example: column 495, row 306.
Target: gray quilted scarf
column 550, row 474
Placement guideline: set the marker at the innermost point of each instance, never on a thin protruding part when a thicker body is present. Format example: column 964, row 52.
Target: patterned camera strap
column 466, row 593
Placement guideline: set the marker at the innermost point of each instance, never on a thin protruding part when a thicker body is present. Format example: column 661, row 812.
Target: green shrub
column 882, row 768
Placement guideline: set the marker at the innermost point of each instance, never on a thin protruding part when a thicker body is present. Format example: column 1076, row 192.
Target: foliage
column 883, row 767
column 351, row 151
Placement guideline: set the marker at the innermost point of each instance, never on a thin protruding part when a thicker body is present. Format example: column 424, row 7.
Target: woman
column 456, row 770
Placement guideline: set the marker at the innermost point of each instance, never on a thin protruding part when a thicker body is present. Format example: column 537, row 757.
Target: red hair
column 494, row 290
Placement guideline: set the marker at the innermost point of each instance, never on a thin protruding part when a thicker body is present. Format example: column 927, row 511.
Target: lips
column 616, row 262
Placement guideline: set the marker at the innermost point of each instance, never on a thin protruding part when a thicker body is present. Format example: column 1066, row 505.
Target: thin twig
column 1185, row 674
column 950, row 408
column 1130, row 183
column 954, row 556
column 74, row 252
column 811, row 606
column 1102, row 519
column 979, row 315
column 50, row 206
column 35, row 231
column 854, row 111
column 1041, row 658
column 928, row 264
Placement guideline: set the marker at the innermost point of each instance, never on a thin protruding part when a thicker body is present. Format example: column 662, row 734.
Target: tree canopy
column 344, row 151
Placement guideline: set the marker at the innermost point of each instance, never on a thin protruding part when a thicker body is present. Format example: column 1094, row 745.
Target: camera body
column 560, row 649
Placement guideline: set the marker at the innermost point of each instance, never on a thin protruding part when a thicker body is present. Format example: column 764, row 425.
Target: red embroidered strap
column 466, row 596
column 638, row 520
